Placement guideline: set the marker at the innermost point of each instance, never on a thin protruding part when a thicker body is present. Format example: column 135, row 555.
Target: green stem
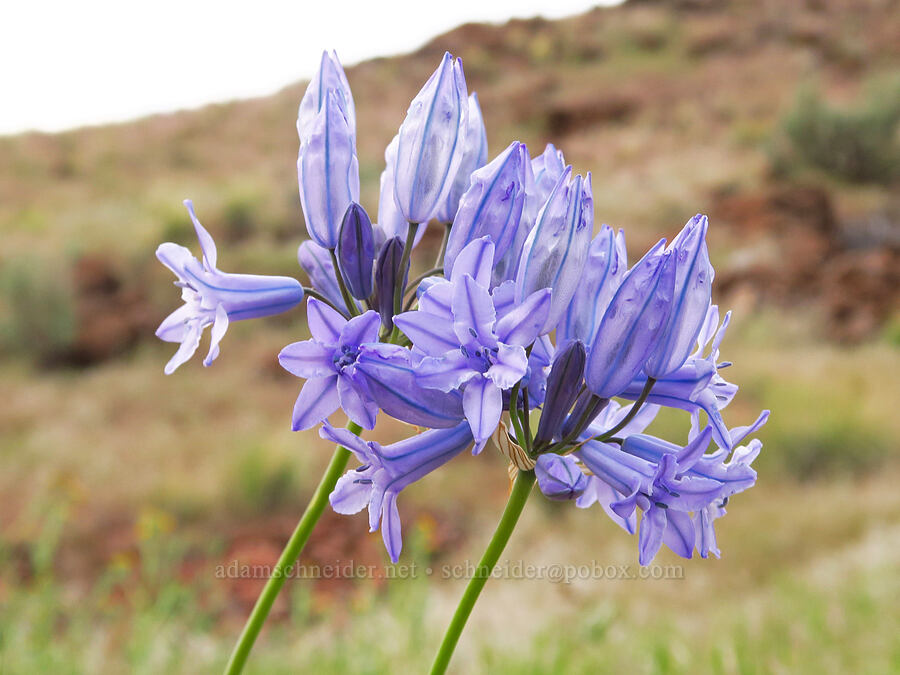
column 348, row 299
column 411, row 286
column 645, row 392
column 439, row 262
column 289, row 556
column 400, row 288
column 318, row 296
column 404, row 261
column 517, row 498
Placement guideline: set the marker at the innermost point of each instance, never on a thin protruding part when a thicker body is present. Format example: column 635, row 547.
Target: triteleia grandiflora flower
column 216, row 298
column 529, row 329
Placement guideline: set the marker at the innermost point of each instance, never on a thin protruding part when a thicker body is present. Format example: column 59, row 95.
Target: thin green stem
column 517, row 499
column 514, row 413
column 526, row 419
column 289, row 556
column 318, row 296
column 400, row 286
column 348, row 299
column 442, row 251
column 645, row 392
column 411, row 286
column 404, row 261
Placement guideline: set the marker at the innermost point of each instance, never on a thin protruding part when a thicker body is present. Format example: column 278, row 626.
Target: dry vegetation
column 121, row 489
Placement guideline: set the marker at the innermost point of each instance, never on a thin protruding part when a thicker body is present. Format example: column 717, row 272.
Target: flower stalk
column 289, row 556
column 518, row 496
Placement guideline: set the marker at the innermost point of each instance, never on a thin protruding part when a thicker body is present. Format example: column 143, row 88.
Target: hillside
column 124, row 491
column 676, row 107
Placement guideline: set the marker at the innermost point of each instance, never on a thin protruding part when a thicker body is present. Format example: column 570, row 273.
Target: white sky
column 77, row 62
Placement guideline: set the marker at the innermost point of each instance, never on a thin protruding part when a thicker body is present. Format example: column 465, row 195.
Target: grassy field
column 161, row 497
column 125, row 493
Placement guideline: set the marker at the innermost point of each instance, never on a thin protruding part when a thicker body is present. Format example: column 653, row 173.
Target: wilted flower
column 215, row 298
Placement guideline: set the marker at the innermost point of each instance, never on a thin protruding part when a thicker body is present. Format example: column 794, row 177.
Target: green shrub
column 37, row 311
column 260, row 484
column 857, row 144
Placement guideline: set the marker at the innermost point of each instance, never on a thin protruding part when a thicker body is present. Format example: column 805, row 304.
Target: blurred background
column 123, row 491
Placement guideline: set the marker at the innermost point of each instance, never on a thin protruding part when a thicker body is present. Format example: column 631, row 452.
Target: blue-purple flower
column 604, row 270
column 693, row 284
column 474, row 156
column 356, row 251
column 330, row 77
column 328, row 362
column 560, row 477
column 432, row 142
column 523, row 314
column 215, row 298
column 492, row 204
column 386, row 470
column 327, row 170
column 632, row 324
column 468, row 344
column 391, row 222
column 556, row 249
column 697, row 385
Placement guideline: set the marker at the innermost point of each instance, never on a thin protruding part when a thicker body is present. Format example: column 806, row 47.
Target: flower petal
column 473, row 313
column 679, row 533
column 446, row 373
column 317, row 400
column 207, row 245
column 650, row 538
column 360, row 329
column 476, row 259
column 483, row 404
column 220, row 325
column 174, row 326
column 523, row 324
column 510, row 366
column 427, row 331
column 358, row 408
column 188, row 346
column 174, row 256
column 308, row 359
column 349, row 495
column 390, row 527
column 325, row 324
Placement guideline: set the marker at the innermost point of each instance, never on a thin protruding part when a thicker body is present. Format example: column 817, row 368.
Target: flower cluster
column 529, row 327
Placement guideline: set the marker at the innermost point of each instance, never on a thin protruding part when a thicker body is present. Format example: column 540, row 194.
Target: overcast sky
column 66, row 64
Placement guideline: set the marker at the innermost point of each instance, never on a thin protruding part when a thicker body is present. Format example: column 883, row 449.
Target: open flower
column 386, row 470
column 215, row 298
column 468, row 344
column 328, row 362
